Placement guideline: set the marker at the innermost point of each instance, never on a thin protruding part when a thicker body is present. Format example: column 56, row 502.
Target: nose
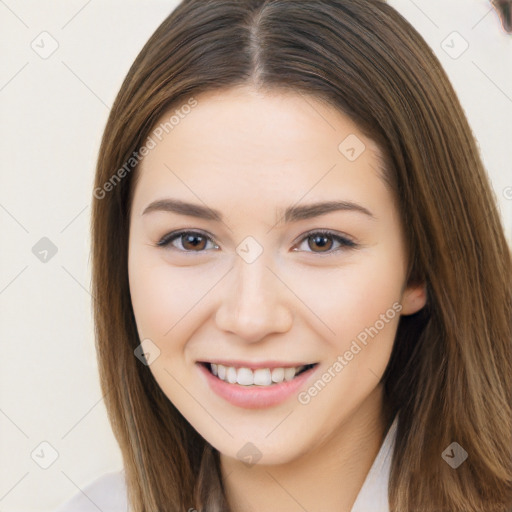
column 254, row 302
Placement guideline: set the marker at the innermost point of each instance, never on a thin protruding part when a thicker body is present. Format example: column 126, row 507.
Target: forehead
column 244, row 143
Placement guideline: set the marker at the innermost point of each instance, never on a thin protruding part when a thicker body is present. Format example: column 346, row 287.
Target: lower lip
column 255, row 397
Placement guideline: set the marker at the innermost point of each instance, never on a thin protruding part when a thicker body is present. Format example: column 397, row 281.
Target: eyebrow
column 291, row 214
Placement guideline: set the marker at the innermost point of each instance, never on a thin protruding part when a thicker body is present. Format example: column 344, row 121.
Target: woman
column 250, row 364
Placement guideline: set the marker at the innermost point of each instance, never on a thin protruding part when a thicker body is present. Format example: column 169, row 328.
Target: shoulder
column 108, row 492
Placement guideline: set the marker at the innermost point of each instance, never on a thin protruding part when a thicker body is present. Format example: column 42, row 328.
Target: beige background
column 53, row 111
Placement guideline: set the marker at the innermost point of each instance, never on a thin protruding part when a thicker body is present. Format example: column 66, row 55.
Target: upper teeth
column 259, row 377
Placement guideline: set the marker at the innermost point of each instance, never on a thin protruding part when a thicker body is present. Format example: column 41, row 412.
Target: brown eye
column 193, row 241
column 322, row 242
column 190, row 241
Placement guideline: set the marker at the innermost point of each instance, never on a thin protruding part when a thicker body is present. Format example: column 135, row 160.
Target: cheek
column 160, row 295
column 169, row 301
column 351, row 297
column 369, row 295
column 358, row 305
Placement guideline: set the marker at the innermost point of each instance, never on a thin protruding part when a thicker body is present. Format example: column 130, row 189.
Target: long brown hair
column 450, row 372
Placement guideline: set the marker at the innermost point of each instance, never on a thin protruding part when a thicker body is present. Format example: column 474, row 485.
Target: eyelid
column 345, row 241
column 174, row 235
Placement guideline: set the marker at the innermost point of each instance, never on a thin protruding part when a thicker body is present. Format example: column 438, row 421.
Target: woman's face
column 259, row 291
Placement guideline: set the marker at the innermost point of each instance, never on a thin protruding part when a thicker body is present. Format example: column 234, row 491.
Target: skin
column 248, row 153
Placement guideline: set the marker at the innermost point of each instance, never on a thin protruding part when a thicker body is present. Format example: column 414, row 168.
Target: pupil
column 320, row 240
column 192, row 239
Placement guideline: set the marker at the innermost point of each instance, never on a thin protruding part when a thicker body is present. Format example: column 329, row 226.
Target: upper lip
column 259, row 364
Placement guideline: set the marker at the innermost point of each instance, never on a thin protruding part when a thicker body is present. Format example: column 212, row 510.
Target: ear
column 414, row 298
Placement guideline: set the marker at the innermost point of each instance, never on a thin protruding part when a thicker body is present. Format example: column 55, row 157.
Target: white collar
column 108, row 492
column 374, row 492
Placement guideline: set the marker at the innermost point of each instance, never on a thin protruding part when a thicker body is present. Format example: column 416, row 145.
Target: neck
column 327, row 478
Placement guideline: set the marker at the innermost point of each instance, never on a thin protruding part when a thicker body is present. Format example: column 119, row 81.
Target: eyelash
column 343, row 241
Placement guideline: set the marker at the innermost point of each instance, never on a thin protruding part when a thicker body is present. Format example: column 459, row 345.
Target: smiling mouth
column 260, row 377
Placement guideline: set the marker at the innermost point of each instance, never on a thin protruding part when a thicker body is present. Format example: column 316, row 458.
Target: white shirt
column 108, row 492
column 373, row 496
